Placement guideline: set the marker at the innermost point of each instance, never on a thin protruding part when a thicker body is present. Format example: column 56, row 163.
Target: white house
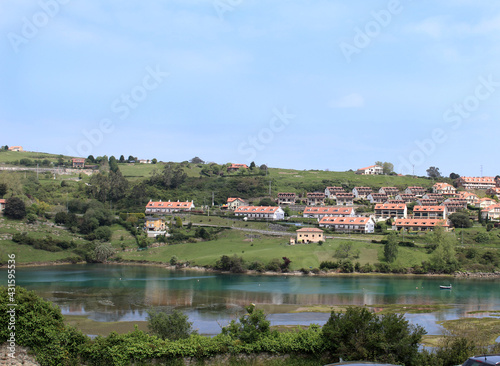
column 261, row 212
column 371, row 170
column 234, row 202
column 3, row 201
column 359, row 224
column 390, row 211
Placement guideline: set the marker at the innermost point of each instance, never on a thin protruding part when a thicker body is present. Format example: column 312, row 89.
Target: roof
column 232, row 199
column 78, row 160
column 442, row 185
column 345, row 194
column 484, row 199
column 257, row 209
column 286, row 194
column 478, row 179
column 310, row 230
column 429, row 208
column 160, row 204
column 3, row 200
column 465, row 194
column 421, row 222
column 335, row 188
column 237, row 166
column 328, row 210
column 389, row 206
column 316, row 194
column 360, row 220
column 491, row 207
column 371, row 166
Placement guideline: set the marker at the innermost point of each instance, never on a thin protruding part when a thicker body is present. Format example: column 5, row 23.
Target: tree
column 252, row 165
column 103, row 251
column 171, row 177
column 154, row 161
column 460, row 219
column 387, row 167
column 113, row 164
column 443, row 258
column 91, row 159
column 196, row 160
column 103, row 233
column 122, row 159
column 3, row 189
column 359, row 334
column 250, row 327
column 266, row 201
column 343, row 251
column 433, row 172
column 454, row 176
column 15, row 208
column 391, row 248
column 173, row 325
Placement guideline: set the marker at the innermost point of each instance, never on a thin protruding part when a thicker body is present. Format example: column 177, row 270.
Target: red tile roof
column 309, row 230
column 389, row 206
column 328, row 210
column 3, row 200
column 232, row 199
column 360, row 220
column 428, row 209
column 478, row 179
column 169, row 204
column 421, row 222
column 237, row 166
column 257, row 209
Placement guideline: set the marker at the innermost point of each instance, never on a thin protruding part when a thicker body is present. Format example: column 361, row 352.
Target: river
column 125, row 292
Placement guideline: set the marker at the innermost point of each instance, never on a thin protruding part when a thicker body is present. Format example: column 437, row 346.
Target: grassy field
column 264, row 248
column 9, row 156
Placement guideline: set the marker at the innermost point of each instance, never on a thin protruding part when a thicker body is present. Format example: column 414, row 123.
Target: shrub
column 172, row 326
column 250, row 327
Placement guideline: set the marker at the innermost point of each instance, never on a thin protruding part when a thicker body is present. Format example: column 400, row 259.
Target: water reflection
column 124, row 293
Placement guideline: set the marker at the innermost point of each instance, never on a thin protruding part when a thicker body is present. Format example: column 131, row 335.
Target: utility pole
column 270, row 188
column 212, row 198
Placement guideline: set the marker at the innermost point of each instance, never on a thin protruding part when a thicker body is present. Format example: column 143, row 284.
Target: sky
column 299, row 84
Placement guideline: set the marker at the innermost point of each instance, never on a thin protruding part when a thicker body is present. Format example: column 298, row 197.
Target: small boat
column 444, row 287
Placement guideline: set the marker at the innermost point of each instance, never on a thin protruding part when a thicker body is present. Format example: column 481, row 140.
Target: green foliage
column 15, row 208
column 40, row 326
column 173, row 325
column 31, row 218
column 433, row 172
column 173, row 261
column 343, row 251
column 361, row 335
column 103, row 233
column 103, row 251
column 391, row 248
column 250, row 327
column 460, row 219
column 3, row 189
column 443, row 258
column 482, row 238
column 232, row 264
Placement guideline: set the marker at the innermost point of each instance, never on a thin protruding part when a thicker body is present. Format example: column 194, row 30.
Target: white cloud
column 353, row 100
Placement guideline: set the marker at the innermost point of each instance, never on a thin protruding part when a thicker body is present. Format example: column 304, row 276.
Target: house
column 344, row 199
column 427, row 202
column 285, row 198
column 78, row 162
column 416, row 191
column 390, row 211
column 406, row 197
column 234, row 202
column 389, row 191
column 495, row 191
column 331, row 192
column 16, row 148
column 155, row 226
column 420, row 224
column 484, row 202
column 310, row 235
column 455, row 204
column 361, row 192
column 395, row 202
column 364, row 225
column 469, row 183
column 445, row 189
column 236, row 167
column 315, row 198
column 430, row 212
column 261, row 212
column 471, row 198
column 491, row 212
column 434, row 196
column 144, row 161
column 371, row 170
column 163, row 208
column 377, row 197
column 320, row 212
column 3, row 201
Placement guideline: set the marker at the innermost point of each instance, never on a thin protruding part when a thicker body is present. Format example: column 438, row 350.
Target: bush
column 15, row 208
column 103, row 233
column 250, row 327
column 361, row 335
column 172, row 326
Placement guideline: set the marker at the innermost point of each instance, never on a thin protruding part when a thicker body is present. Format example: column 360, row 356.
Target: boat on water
column 444, row 287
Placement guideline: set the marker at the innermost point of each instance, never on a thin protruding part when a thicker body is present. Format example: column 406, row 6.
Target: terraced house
column 420, row 224
column 315, row 198
column 377, row 198
column 331, row 192
column 345, row 199
column 416, row 191
column 363, row 225
column 444, row 189
column 163, row 208
column 361, row 192
column 332, row 211
column 287, row 198
column 430, row 212
column 389, row 191
column 390, row 211
column 455, row 204
column 261, row 212
column 470, row 183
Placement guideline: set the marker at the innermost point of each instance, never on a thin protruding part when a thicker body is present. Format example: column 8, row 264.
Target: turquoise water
column 124, row 293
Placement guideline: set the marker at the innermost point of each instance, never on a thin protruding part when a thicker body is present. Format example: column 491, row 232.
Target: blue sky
column 294, row 84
